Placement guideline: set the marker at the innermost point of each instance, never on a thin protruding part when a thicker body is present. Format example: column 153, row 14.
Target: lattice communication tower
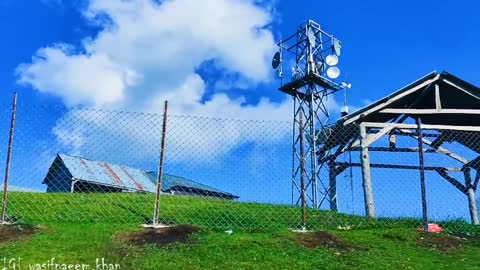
column 313, row 55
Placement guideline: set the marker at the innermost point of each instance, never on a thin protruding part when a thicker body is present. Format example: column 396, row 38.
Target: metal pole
column 9, row 157
column 333, row 187
column 422, row 175
column 302, row 172
column 313, row 147
column 160, row 165
column 293, row 146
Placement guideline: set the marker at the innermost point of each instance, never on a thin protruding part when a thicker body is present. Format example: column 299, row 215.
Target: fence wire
column 87, row 166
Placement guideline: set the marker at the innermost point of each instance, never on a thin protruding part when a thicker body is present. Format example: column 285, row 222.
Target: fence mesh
column 85, row 166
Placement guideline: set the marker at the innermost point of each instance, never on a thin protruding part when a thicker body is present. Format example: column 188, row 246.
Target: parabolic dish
column 331, row 60
column 333, row 72
column 276, row 60
column 337, row 46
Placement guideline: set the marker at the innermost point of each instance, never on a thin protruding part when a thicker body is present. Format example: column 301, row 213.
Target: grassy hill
column 78, row 228
column 51, row 208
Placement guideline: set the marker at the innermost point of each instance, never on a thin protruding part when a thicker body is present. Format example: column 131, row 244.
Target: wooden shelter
column 436, row 109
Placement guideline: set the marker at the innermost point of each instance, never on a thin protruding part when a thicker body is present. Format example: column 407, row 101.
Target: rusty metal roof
column 108, row 174
column 131, row 179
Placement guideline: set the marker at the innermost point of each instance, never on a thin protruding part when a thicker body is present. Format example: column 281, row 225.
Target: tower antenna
column 315, row 54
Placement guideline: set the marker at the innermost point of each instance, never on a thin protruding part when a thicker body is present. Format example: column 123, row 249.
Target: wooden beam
column 438, row 102
column 404, row 167
column 409, row 133
column 366, row 183
column 333, row 187
column 443, row 150
column 421, row 164
column 391, row 100
column 461, row 88
column 391, row 141
column 452, row 180
column 429, row 111
column 371, row 138
column 475, row 183
column 472, row 204
column 397, row 150
column 412, row 126
column 414, row 150
column 403, row 117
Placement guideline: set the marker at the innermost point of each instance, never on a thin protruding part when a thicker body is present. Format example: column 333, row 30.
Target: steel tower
column 314, row 55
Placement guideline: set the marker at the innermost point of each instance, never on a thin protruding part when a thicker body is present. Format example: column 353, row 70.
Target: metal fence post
column 422, row 175
column 9, row 156
column 302, row 173
column 160, row 166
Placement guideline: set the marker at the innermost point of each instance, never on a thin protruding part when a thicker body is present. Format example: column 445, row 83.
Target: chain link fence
column 90, row 166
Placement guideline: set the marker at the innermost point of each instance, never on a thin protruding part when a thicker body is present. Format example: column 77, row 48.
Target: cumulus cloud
column 151, row 49
column 77, row 78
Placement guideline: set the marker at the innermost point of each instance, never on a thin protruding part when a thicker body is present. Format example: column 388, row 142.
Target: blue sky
column 132, row 56
column 386, row 44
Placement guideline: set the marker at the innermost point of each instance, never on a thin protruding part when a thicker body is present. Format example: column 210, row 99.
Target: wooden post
column 302, row 172
column 156, row 214
column 332, row 172
column 72, row 186
column 9, row 157
column 472, row 204
column 422, row 175
column 367, row 183
column 392, row 141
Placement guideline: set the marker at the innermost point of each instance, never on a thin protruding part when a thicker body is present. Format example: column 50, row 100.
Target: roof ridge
column 102, row 161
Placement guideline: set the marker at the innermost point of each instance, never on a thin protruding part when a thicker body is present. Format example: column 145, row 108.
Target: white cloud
column 149, row 49
column 147, row 52
column 77, row 78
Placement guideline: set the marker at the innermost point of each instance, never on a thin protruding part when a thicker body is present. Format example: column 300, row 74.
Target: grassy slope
column 42, row 208
column 216, row 250
column 270, row 248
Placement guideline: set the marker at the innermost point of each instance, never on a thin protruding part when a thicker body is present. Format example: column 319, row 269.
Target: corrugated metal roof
column 108, row 174
column 171, row 182
column 129, row 178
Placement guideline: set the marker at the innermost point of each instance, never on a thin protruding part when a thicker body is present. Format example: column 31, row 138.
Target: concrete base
column 302, row 230
column 155, row 226
column 5, row 223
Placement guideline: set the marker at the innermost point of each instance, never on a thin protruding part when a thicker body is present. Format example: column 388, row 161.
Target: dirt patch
column 325, row 240
column 395, row 237
column 472, row 240
column 160, row 236
column 440, row 242
column 10, row 233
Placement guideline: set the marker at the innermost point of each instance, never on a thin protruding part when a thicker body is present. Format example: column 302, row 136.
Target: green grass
column 70, row 243
column 83, row 227
column 43, row 208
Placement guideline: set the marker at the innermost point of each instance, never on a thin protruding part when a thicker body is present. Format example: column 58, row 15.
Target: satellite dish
column 331, row 60
column 337, row 46
column 311, row 37
column 333, row 72
column 276, row 60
